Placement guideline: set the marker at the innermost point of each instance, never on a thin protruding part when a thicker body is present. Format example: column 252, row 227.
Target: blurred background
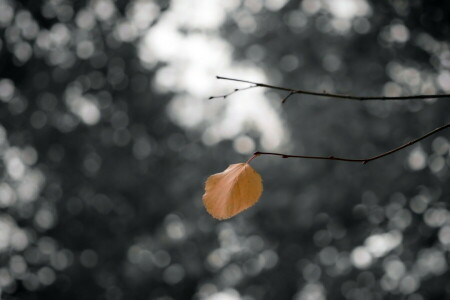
column 107, row 138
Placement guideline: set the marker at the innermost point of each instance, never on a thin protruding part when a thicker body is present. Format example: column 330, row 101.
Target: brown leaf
column 230, row 192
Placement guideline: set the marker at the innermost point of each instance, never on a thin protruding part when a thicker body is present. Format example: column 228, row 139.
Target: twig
column 234, row 91
column 325, row 94
column 362, row 160
column 287, row 97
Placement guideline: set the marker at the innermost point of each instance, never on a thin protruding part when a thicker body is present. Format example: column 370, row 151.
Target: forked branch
column 359, row 160
column 322, row 94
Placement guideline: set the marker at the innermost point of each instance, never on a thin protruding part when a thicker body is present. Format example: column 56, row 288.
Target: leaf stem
column 255, row 155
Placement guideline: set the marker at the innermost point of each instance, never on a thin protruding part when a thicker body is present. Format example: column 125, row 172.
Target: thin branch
column 362, row 160
column 234, row 91
column 287, row 97
column 330, row 95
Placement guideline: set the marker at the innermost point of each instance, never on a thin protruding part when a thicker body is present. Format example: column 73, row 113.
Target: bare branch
column 234, row 91
column 359, row 160
column 329, row 95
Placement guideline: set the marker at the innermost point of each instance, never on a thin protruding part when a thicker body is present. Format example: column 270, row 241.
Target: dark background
column 107, row 137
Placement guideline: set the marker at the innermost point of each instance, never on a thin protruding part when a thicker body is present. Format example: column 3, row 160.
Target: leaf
column 232, row 191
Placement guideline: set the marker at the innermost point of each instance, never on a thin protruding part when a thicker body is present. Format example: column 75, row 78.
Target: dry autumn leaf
column 232, row 191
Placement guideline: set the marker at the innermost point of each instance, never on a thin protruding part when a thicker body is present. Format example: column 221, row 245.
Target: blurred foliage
column 100, row 196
